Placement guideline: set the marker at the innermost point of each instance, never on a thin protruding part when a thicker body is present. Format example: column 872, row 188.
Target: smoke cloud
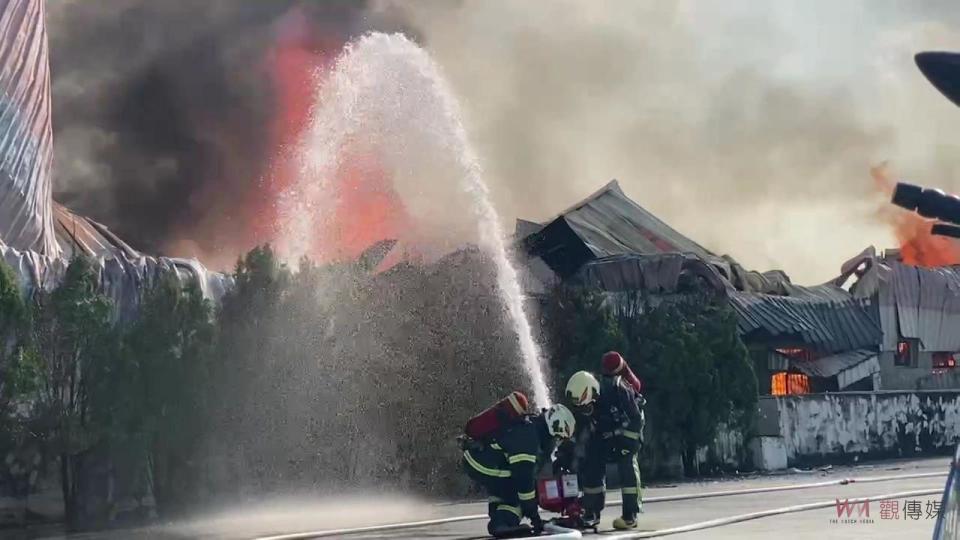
column 163, row 111
column 751, row 128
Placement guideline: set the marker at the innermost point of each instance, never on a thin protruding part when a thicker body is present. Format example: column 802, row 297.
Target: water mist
column 386, row 93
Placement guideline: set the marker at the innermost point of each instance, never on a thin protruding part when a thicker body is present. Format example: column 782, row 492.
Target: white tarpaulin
column 26, row 140
column 38, row 236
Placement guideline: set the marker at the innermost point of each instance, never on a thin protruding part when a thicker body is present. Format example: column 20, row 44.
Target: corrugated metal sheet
column 858, row 372
column 927, row 303
column 832, row 365
column 609, row 223
column 825, row 318
column 906, row 288
column 659, row 273
column 26, row 139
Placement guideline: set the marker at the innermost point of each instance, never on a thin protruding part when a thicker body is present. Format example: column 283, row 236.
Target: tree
column 160, row 404
column 696, row 370
column 15, row 377
column 579, row 329
column 697, row 374
column 72, row 340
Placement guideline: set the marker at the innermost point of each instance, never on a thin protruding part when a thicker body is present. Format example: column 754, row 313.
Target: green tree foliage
column 160, row 406
column 580, row 329
column 696, row 371
column 72, row 346
column 15, row 376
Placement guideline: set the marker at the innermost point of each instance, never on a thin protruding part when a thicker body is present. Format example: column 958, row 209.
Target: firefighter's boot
column 623, row 523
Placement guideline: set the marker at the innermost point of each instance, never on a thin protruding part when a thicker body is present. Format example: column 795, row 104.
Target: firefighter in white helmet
column 610, row 426
column 582, row 391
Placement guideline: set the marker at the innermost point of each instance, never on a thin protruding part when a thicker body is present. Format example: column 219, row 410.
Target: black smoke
column 160, row 108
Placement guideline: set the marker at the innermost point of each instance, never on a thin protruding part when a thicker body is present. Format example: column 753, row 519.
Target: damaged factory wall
column 818, row 427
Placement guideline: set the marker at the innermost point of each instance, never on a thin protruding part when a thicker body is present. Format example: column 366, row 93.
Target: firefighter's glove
column 627, row 446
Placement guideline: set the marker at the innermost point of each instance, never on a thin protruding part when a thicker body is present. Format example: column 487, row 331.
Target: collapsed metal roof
column 605, row 224
column 912, row 302
column 848, row 366
column 822, row 320
column 610, row 242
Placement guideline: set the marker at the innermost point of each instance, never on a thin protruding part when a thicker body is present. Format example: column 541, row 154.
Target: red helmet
column 612, row 363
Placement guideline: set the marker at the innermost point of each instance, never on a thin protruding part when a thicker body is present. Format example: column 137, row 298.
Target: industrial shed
column 803, row 339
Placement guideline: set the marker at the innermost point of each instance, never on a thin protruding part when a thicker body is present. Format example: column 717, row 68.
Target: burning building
column 37, row 235
column 896, row 326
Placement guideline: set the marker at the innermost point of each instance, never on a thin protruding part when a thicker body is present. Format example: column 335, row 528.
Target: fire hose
column 667, row 498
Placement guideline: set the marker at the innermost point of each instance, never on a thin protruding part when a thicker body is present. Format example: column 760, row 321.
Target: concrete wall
column 818, row 427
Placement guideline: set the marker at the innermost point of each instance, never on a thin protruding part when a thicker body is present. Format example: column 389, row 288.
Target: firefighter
column 506, row 464
column 614, row 435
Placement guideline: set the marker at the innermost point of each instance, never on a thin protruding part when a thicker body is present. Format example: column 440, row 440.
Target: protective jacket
column 619, row 415
column 508, row 463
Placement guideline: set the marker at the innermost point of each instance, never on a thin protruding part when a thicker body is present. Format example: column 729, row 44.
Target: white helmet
column 582, row 388
column 560, row 421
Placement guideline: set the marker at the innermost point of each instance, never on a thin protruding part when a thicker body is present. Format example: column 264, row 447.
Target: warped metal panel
column 26, row 138
column 609, row 223
column 858, row 372
column 906, row 287
column 887, row 308
column 825, row 325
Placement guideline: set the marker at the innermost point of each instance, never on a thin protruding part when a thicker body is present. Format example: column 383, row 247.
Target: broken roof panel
column 927, row 302
column 848, row 366
column 659, row 273
column 821, row 319
column 832, row 365
column 605, row 224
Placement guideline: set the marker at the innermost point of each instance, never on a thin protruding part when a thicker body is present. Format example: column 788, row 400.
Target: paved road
column 816, row 524
column 305, row 515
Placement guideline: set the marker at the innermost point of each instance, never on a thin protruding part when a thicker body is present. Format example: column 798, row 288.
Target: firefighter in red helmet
column 505, row 460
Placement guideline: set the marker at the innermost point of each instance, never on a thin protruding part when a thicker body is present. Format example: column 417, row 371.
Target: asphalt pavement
column 911, row 517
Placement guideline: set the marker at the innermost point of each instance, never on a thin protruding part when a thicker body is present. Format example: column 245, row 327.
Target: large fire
column 917, row 245
column 367, row 208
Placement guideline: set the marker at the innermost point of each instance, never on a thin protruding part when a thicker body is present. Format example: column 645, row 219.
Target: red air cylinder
column 614, row 364
column 496, row 416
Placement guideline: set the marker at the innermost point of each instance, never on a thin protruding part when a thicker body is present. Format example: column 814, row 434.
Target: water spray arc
column 385, row 93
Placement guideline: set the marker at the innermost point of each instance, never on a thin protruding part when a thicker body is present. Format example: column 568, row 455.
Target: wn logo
column 847, row 507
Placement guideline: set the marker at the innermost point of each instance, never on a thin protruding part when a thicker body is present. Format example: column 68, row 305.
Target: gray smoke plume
column 749, row 126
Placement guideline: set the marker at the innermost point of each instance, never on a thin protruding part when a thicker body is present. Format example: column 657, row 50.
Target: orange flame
column 918, row 246
column 367, row 210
